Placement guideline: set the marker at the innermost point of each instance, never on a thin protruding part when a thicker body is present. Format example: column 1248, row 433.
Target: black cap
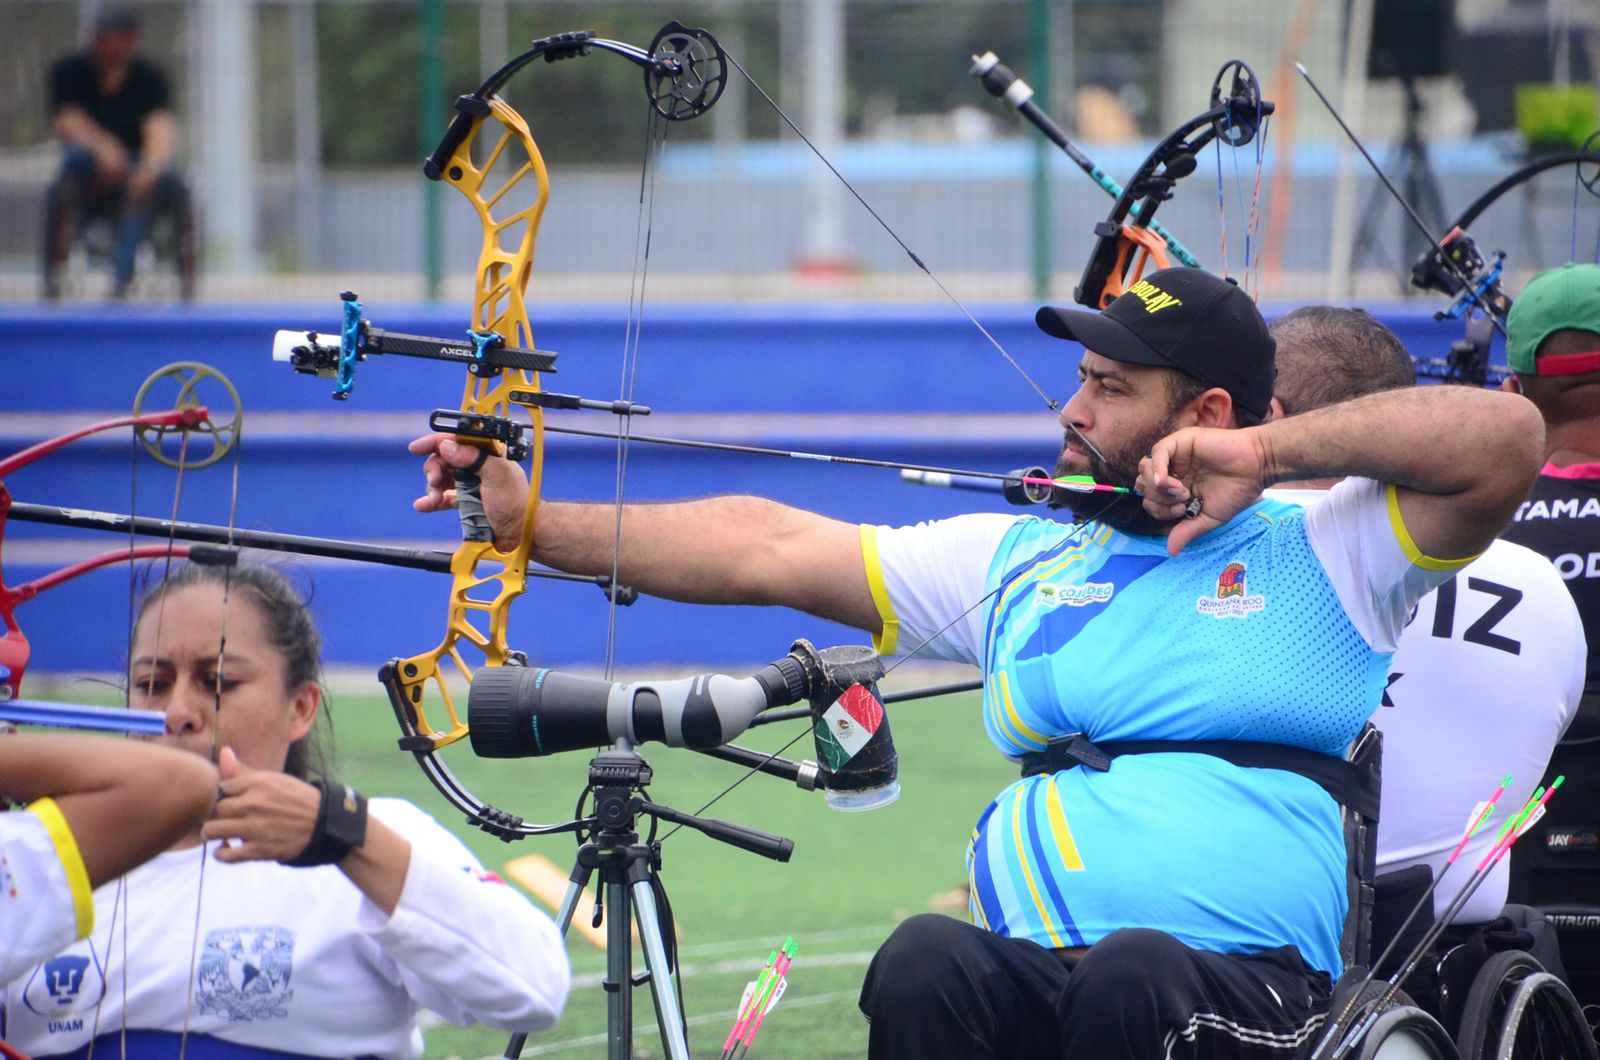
column 1202, row 325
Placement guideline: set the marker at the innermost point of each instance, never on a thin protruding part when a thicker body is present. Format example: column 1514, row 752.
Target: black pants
column 942, row 988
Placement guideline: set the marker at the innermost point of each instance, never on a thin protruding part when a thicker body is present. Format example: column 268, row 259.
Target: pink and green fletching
column 1076, row 483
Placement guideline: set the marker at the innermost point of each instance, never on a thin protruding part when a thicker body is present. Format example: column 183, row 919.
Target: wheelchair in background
column 83, row 225
column 1500, row 1005
column 1481, row 995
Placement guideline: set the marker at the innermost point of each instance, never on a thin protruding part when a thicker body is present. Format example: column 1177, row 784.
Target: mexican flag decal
column 847, row 726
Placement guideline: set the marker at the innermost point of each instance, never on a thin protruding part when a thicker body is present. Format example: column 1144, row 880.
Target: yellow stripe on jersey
column 1059, row 828
column 55, row 825
column 1018, row 726
column 1408, row 545
column 1043, row 569
column 884, row 641
column 1021, row 849
column 974, row 905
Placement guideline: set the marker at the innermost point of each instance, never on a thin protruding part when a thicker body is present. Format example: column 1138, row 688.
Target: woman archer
column 300, row 920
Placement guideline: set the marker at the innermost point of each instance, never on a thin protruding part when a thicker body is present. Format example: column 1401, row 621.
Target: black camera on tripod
column 526, row 712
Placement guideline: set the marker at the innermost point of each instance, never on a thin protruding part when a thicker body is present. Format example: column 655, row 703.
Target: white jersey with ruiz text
column 292, row 962
column 1486, row 679
column 1275, row 627
column 45, row 904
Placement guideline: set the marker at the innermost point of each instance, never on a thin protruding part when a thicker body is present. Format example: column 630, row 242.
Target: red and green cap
column 1566, row 298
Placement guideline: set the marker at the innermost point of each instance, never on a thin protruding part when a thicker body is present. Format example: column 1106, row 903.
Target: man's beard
column 1120, row 511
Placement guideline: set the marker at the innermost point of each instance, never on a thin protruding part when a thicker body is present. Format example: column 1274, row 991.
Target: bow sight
column 1457, row 269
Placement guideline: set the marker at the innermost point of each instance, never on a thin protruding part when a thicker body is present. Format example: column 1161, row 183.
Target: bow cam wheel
column 213, row 415
column 688, row 72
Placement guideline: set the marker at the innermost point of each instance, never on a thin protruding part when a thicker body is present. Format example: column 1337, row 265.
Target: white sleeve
column 928, row 581
column 45, row 901
column 466, row 944
column 1376, row 568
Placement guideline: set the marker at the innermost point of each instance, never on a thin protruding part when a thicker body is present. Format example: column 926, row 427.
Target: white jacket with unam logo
column 294, row 960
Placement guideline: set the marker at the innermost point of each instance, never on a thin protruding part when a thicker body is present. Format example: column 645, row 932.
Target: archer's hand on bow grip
column 496, row 496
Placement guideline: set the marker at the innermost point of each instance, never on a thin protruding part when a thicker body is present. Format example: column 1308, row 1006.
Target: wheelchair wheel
column 1544, row 1019
column 1516, row 1010
column 1406, row 1033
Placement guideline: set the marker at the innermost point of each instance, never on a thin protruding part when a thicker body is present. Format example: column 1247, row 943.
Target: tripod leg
column 663, row 982
column 577, row 882
column 619, row 970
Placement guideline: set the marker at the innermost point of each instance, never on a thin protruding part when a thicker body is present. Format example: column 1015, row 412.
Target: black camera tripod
column 630, row 890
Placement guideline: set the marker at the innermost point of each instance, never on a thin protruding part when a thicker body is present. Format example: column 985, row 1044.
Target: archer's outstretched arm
column 124, row 802
column 717, row 550
column 1461, row 460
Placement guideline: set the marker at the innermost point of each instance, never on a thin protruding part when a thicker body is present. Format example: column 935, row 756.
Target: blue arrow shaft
column 80, row 716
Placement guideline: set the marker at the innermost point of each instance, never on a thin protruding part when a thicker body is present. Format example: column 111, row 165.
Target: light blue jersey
column 1261, row 630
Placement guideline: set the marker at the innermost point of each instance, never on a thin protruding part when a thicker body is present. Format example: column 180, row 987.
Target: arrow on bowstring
column 1076, row 483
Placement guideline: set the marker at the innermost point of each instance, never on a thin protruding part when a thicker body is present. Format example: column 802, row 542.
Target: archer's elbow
column 1516, row 452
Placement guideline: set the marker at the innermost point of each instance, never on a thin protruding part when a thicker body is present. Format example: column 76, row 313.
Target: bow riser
column 480, row 602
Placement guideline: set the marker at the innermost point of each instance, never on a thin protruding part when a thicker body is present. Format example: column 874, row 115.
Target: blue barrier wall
column 916, row 384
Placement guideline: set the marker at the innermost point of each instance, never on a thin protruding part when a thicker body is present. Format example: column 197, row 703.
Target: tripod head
column 617, row 783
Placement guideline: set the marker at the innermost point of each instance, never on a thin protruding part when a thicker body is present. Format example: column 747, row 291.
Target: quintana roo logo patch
column 1232, row 600
column 244, row 973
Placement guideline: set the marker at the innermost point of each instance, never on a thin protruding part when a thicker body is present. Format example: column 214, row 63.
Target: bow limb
column 1126, row 244
column 188, row 418
column 480, row 602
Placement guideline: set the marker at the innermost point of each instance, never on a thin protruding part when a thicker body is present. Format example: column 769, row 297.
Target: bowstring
column 1222, row 197
column 1050, row 402
column 122, row 901
column 216, row 720
column 1073, row 528
column 161, row 602
column 1577, row 183
column 1251, row 278
column 655, row 139
column 1253, row 266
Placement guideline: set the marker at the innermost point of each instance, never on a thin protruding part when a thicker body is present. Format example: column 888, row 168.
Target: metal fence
column 303, row 122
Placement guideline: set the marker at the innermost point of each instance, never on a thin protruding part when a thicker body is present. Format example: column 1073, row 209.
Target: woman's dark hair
column 289, row 628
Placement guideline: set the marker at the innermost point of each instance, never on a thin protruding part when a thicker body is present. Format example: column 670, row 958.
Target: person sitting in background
column 1485, row 680
column 77, row 832
column 300, row 920
column 112, row 110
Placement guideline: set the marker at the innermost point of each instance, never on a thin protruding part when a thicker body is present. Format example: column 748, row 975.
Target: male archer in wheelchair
column 111, row 109
column 1175, row 674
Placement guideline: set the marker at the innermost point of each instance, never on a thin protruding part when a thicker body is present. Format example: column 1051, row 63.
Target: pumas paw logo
column 1231, row 599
